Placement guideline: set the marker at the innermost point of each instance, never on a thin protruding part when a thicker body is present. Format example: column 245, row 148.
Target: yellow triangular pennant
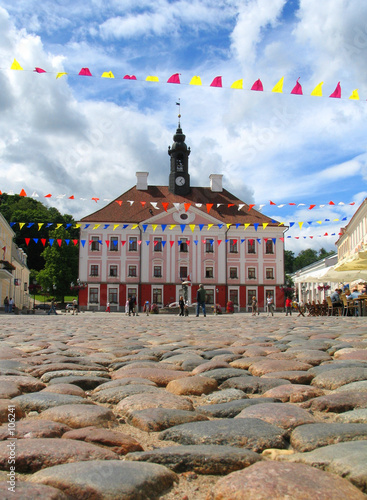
column 152, row 79
column 172, row 226
column 355, row 95
column 40, row 224
column 318, row 90
column 96, row 226
column 246, row 226
column 107, row 74
column 77, row 226
column 59, row 75
column 300, row 225
column 209, row 226
column 238, row 84
column 58, row 225
column 115, row 226
column 228, row 225
column 21, row 224
column 16, row 65
column 135, row 226
column 279, row 86
column 192, row 227
column 154, row 226
column 265, row 224
column 195, row 80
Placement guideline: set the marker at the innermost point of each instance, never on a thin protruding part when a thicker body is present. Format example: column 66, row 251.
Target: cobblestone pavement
column 108, row 406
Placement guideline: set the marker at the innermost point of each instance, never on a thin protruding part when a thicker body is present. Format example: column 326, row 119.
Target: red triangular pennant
column 165, row 205
column 171, row 243
column 75, row 242
column 59, row 242
column 43, row 241
column 27, row 240
column 230, row 205
column 257, row 85
column 251, row 206
column 272, row 203
column 22, row 193
column 187, row 206
column 119, row 202
column 143, row 203
column 123, row 242
column 209, row 206
column 107, row 243
column 71, row 197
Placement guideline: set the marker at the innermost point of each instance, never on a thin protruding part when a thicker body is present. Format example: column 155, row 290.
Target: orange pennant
column 119, row 202
column 187, row 206
column 251, row 206
column 143, row 203
column 209, row 206
column 22, row 193
column 165, row 205
column 71, row 197
column 48, row 195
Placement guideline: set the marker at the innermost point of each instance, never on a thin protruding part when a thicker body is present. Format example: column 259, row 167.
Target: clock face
column 180, row 181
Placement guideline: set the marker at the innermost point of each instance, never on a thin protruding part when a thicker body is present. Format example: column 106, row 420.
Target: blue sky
column 88, row 136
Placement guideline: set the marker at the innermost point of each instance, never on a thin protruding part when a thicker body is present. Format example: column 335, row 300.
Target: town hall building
column 152, row 239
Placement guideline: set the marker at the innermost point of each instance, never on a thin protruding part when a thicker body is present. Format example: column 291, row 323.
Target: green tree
column 61, row 264
column 17, row 208
column 305, row 258
column 288, row 261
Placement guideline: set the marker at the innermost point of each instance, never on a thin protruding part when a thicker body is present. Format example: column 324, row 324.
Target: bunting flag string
column 183, row 227
column 60, row 241
column 217, row 82
column 166, row 205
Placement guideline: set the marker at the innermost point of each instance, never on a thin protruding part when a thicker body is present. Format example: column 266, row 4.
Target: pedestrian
column 147, row 307
column 108, row 308
column 254, row 305
column 181, row 303
column 135, row 307
column 6, row 304
column 75, row 307
column 270, row 304
column 53, row 307
column 200, row 299
column 300, row 308
column 11, row 305
column 127, row 307
column 288, row 306
column 131, row 306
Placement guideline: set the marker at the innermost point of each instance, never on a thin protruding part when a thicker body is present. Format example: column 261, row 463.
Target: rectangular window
column 233, row 296
column 132, row 272
column 251, row 246
column 233, row 248
column 132, row 292
column 209, row 273
column 112, row 296
column 94, row 270
column 93, row 295
column 133, row 244
column 183, row 271
column 157, row 244
column 269, row 273
column 209, row 245
column 95, row 244
column 269, row 247
column 251, row 273
column 209, row 299
column 250, row 294
column 114, row 244
column 157, row 296
column 233, row 273
column 157, row 271
column 113, row 271
column 184, row 246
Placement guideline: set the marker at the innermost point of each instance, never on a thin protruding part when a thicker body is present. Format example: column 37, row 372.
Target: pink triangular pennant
column 129, row 77
column 217, row 82
column 337, row 92
column 39, row 70
column 257, row 85
column 174, row 78
column 85, row 72
column 297, row 89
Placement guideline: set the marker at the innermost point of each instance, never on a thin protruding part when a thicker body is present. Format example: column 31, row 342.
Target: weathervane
column 179, row 111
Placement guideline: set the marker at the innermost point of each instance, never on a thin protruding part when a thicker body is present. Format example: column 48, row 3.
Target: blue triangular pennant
column 67, row 241
column 163, row 226
column 164, row 243
column 182, row 226
column 82, row 242
column 291, row 224
column 256, row 225
column 145, row 227
column 35, row 240
column 51, row 241
column 201, row 226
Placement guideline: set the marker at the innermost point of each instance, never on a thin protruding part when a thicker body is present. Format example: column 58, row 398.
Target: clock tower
column 179, row 178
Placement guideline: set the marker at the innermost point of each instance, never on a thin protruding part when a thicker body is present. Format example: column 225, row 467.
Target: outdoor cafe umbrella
column 356, row 262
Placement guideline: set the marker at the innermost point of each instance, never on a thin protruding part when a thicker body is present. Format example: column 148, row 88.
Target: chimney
column 142, row 181
column 216, row 183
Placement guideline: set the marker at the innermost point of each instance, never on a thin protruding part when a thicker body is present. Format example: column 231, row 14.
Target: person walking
column 254, row 305
column 11, row 305
column 147, row 307
column 181, row 303
column 200, row 299
column 52, row 308
column 6, row 304
column 288, row 306
column 108, row 307
column 270, row 304
column 75, row 307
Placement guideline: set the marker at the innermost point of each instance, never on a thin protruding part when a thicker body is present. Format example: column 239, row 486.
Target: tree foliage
column 305, row 258
column 61, row 265
column 16, row 208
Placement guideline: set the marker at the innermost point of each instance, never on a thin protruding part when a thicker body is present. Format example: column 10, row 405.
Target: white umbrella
column 317, row 276
column 356, row 262
column 345, row 276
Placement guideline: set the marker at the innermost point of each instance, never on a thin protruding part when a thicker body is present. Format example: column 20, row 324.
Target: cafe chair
column 348, row 305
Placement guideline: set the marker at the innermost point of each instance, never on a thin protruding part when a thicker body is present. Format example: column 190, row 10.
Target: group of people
column 9, row 305
column 336, row 299
column 130, row 306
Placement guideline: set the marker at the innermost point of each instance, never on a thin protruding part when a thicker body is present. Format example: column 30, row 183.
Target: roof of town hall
column 121, row 210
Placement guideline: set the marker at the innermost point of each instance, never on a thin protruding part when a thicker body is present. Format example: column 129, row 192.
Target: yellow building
column 352, row 244
column 14, row 273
